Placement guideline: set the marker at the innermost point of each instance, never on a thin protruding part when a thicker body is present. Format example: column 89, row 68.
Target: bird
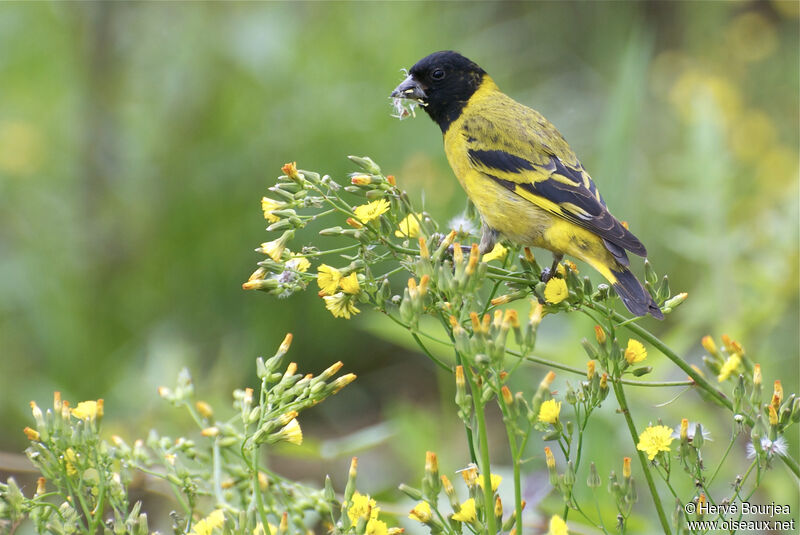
column 520, row 173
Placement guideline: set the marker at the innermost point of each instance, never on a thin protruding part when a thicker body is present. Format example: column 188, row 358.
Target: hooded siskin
column 524, row 179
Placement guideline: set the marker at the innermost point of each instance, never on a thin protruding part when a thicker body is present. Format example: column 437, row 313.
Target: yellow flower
column 421, row 512
column 496, row 480
column 291, row 432
column 555, row 291
column 207, row 525
column 409, row 226
column 70, row 459
column 341, row 305
column 635, row 352
column 349, row 284
column 654, row 439
column 498, row 253
column 377, row 527
column 328, row 279
column 467, row 512
column 85, row 410
column 32, row 434
column 268, row 205
column 731, row 365
column 361, row 506
column 299, row 263
column 274, row 249
column 367, row 212
column 549, row 411
column 557, row 526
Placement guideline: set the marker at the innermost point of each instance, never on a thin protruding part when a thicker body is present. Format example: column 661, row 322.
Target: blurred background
column 136, row 141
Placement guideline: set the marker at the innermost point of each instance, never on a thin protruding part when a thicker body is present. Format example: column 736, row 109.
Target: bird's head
column 442, row 83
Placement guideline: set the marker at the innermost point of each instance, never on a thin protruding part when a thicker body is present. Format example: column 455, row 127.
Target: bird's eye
column 437, row 74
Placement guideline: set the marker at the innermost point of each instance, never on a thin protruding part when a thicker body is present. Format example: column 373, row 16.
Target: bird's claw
column 546, row 275
column 466, row 249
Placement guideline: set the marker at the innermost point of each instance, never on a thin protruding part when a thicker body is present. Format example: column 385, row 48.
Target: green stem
column 515, row 456
column 97, row 517
column 722, row 461
column 578, row 371
column 698, row 379
column 262, row 513
column 671, row 355
column 483, row 437
column 623, row 404
column 437, row 361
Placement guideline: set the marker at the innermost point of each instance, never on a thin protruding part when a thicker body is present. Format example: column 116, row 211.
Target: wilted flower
column 462, row 225
column 341, row 305
column 274, row 249
column 421, row 512
column 771, row 447
column 291, row 432
column 268, row 205
column 298, row 263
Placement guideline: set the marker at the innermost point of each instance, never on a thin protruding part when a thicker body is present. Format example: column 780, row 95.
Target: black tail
column 634, row 296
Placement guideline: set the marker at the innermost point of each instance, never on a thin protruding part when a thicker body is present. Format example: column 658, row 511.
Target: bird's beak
column 410, row 89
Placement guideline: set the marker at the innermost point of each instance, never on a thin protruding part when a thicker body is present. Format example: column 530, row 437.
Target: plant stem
column 515, row 456
column 436, row 361
column 699, row 380
column 623, row 405
column 671, row 355
column 262, row 513
column 483, row 437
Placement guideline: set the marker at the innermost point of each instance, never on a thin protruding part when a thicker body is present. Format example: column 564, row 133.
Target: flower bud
column 698, row 439
column 550, row 460
column 593, row 480
column 431, row 485
column 366, row 163
column 600, row 334
column 777, row 395
column 411, row 492
column 675, row 301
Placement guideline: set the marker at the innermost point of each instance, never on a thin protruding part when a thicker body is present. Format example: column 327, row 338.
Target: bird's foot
column 548, row 273
column 466, row 249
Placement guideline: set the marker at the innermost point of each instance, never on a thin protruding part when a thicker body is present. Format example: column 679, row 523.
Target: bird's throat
column 446, row 105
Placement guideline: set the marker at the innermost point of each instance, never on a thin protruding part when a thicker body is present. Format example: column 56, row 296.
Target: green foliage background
column 137, row 139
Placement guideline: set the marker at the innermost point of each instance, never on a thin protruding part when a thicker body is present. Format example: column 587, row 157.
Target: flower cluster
column 467, row 513
column 85, row 479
